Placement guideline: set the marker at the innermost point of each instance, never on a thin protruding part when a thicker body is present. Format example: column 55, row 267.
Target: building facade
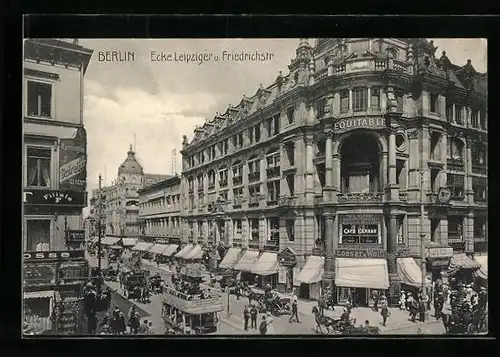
column 327, row 168
column 55, row 168
column 120, row 201
column 160, row 212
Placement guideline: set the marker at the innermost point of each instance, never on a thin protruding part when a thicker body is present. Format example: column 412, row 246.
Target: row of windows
column 459, row 114
column 252, row 134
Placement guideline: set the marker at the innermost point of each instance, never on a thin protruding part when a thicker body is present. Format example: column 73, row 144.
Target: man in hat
column 438, row 305
column 483, row 298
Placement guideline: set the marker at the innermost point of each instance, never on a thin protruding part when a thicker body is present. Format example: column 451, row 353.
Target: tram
column 191, row 314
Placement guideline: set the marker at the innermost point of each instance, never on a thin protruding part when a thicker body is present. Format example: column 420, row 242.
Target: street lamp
column 422, row 233
column 99, row 228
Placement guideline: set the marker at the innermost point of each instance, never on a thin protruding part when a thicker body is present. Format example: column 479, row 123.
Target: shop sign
column 56, row 255
column 35, row 274
column 440, row 262
column 361, row 253
column 73, row 162
column 67, row 323
column 439, row 252
column 360, row 219
column 287, row 257
column 358, row 123
column 282, row 272
column 359, row 234
column 74, row 271
column 296, row 273
column 54, row 197
column 75, row 235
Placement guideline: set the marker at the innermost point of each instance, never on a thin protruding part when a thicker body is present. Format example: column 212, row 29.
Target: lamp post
column 422, row 233
column 99, row 229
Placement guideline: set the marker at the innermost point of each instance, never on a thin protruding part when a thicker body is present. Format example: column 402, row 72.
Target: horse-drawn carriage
column 463, row 319
column 115, row 253
column 111, row 272
column 156, row 283
column 223, row 279
column 343, row 325
column 133, row 282
column 271, row 302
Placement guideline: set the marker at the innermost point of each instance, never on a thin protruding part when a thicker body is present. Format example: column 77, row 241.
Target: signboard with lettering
column 39, row 274
column 439, row 252
column 67, row 323
column 359, row 234
column 73, row 162
column 75, row 235
column 282, row 272
column 71, row 271
column 358, row 123
column 54, row 197
column 55, row 255
column 361, row 253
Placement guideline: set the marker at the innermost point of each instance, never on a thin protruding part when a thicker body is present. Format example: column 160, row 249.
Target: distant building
column 316, row 176
column 121, row 200
column 160, row 211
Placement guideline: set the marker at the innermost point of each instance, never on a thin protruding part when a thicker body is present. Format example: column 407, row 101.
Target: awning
column 183, row 252
column 461, row 260
column 483, row 260
column 231, row 258
column 109, row 241
column 409, row 272
column 312, row 272
column 129, row 242
column 171, row 249
column 39, row 294
column 247, row 261
column 195, row 253
column 361, row 273
column 267, row 264
column 142, row 246
column 158, row 248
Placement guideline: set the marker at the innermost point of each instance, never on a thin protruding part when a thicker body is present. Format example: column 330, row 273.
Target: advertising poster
column 73, row 162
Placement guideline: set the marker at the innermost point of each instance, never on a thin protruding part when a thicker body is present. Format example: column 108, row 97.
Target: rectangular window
column 290, row 180
column 290, row 113
column 434, row 180
column 235, row 141
column 250, row 135
column 269, row 127
column 273, row 191
column 434, row 103
column 254, row 191
column 237, row 229
column 449, row 112
column 479, row 185
column 434, row 141
column 456, row 185
column 434, row 230
column 39, row 99
column 344, row 101
column 274, row 229
column 359, row 99
column 290, row 230
column 474, row 117
column 375, row 98
column 277, row 123
column 240, row 140
column 38, row 167
column 459, row 114
column 290, row 153
column 254, row 229
column 455, row 230
column 38, row 235
column 320, row 107
column 257, row 133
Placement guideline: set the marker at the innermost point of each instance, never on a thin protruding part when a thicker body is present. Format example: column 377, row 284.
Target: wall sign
column 68, row 272
column 439, row 252
column 54, row 197
column 67, row 323
column 359, row 234
column 39, row 274
column 282, row 272
column 344, row 125
column 361, row 253
column 56, row 255
column 73, row 162
column 75, row 235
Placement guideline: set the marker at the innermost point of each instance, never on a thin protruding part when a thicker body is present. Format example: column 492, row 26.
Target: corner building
column 319, row 177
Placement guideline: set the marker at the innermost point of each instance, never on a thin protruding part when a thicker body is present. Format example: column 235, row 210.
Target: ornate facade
column 335, row 158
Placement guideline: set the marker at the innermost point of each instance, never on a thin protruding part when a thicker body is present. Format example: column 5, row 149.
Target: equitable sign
column 358, row 123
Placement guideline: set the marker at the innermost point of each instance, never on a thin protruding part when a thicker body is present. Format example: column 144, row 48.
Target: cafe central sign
column 358, row 123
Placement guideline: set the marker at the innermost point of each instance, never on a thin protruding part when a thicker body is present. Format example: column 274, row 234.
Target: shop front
column 310, row 278
column 411, row 275
column 266, row 268
column 438, row 259
column 359, row 272
column 231, row 258
column 246, row 265
column 462, row 268
column 287, row 259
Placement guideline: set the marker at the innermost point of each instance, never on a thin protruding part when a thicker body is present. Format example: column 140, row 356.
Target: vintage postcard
column 330, row 186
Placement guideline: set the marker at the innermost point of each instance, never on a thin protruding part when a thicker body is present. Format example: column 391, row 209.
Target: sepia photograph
column 217, row 187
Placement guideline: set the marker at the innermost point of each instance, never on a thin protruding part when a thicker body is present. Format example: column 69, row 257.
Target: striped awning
column 184, row 251
column 483, row 260
column 129, row 242
column 231, row 258
column 462, row 261
column 195, row 253
column 171, row 249
column 158, row 248
column 312, row 272
column 142, row 246
column 45, row 294
column 109, row 240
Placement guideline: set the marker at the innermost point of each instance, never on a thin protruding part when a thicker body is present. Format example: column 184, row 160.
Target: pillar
column 262, row 230
column 350, row 100
column 330, row 245
column 205, row 229
column 469, row 232
column 392, row 247
column 328, row 165
column 309, row 191
column 330, row 66
column 336, row 187
column 245, row 232
column 263, row 177
column 393, row 187
column 469, row 192
column 369, row 98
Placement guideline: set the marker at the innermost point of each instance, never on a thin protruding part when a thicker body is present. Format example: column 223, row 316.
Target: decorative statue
column 392, row 103
column 184, row 140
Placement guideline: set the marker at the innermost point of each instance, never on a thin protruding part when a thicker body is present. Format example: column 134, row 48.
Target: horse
column 322, row 320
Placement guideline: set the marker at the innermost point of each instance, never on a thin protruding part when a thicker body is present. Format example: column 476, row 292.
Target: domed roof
column 130, row 166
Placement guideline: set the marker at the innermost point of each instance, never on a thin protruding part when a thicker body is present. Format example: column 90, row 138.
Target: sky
column 159, row 102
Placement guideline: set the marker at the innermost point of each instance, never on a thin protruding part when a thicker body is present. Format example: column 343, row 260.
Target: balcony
column 273, row 172
column 272, row 245
column 286, row 201
column 455, row 164
column 238, row 201
column 253, row 177
column 237, row 180
column 223, row 183
column 479, row 169
column 272, row 202
column 253, row 201
column 360, row 197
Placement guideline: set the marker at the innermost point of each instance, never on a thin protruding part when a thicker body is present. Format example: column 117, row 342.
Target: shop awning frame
column 409, row 272
column 184, row 251
column 247, row 261
column 44, row 294
column 312, row 272
column 267, row 264
column 231, row 258
column 195, row 253
column 142, row 247
column 462, row 261
column 483, row 261
column 170, row 250
column 361, row 273
column 158, row 248
column 109, row 240
column 129, row 242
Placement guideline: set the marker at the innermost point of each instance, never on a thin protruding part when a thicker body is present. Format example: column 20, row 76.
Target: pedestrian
column 413, row 310
column 483, row 298
column 295, row 310
column 143, row 328
column 134, row 324
column 385, row 313
column 438, row 305
column 122, row 326
column 375, row 297
column 270, row 325
column 105, row 320
column 131, row 312
column 428, row 299
column 246, row 316
column 263, row 326
column 253, row 317
column 151, row 331
column 91, row 324
column 421, row 310
column 402, row 300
